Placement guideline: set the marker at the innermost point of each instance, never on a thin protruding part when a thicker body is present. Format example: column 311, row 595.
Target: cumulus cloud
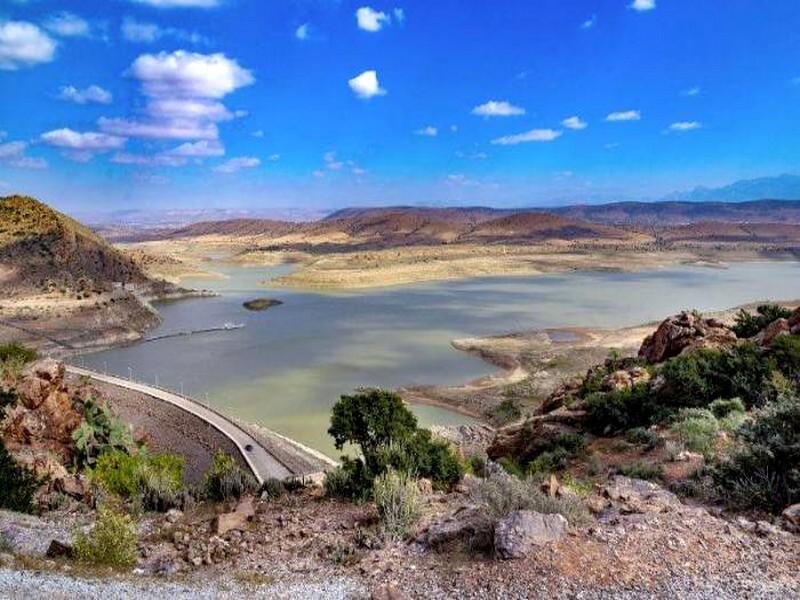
column 574, row 123
column 534, row 135
column 498, row 108
column 179, row 3
column 624, row 115
column 366, row 85
column 685, row 126
column 692, row 91
column 12, row 149
column 589, row 23
column 184, row 90
column 201, row 149
column 303, row 31
column 371, row 20
column 90, row 140
column 237, row 164
column 643, row 5
column 429, row 131
column 93, row 93
column 23, row 44
column 66, row 24
column 13, row 154
column 149, row 33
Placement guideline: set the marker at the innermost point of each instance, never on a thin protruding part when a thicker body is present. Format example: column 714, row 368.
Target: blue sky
column 304, row 105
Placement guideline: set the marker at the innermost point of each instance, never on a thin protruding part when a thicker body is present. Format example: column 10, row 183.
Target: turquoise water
column 290, row 363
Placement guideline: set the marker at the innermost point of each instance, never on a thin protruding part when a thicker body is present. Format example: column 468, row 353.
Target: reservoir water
column 289, row 364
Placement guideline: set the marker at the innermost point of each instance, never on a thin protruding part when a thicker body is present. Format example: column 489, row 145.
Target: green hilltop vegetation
column 23, row 217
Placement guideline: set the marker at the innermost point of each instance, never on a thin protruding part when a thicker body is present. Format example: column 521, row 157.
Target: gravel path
column 56, row 586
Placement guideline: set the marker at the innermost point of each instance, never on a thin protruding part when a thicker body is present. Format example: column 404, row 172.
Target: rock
column 388, row 591
column 467, row 528
column 525, row 441
column 794, row 318
column 519, row 533
column 770, row 332
column 229, row 521
column 174, row 515
column 684, row 332
column 765, row 529
column 246, row 507
column 58, row 549
column 425, row 486
column 639, row 496
column 791, row 514
column 596, row 504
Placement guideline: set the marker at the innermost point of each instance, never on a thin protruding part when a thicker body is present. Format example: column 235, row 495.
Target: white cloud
column 371, row 20
column 366, row 85
column 399, row 15
column 643, row 5
column 589, row 23
column 183, row 91
column 67, row 24
column 685, row 126
column 201, row 149
column 237, row 164
column 258, row 134
column 179, row 3
column 189, row 74
column 29, row 162
column 429, row 131
column 90, row 140
column 12, row 149
column 692, row 91
column 13, row 154
column 274, row 157
column 534, row 135
column 303, row 31
column 498, row 108
column 331, row 162
column 149, row 33
column 24, row 45
column 625, row 115
column 141, row 160
column 93, row 93
column 574, row 123
column 179, row 130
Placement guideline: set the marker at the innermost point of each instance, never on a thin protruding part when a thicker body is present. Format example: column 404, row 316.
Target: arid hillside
column 42, row 249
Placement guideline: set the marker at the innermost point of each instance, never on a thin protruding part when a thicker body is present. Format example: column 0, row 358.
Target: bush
column 388, row 436
column 395, row 495
column 747, row 324
column 500, row 494
column 722, row 408
column 17, row 484
column 225, row 480
column 643, row 437
column 507, row 411
column 640, row 470
column 764, row 470
column 696, row 429
column 16, row 351
column 786, row 354
column 99, row 432
column 619, row 411
column 112, row 541
column 273, row 488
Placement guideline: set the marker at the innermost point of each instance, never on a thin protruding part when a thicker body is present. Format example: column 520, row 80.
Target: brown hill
column 761, row 233
column 42, row 249
column 542, row 227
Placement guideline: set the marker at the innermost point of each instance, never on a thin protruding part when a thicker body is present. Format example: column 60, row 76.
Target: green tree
column 17, row 484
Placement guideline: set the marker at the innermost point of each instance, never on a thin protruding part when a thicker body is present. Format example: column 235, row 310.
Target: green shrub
column 156, row 480
column 16, row 351
column 696, row 429
column 388, row 436
column 786, row 354
column 554, row 454
column 748, row 324
column 100, row 432
column 764, row 470
column 112, row 541
column 225, row 480
column 643, row 437
column 500, row 494
column 640, row 470
column 507, row 411
column 17, row 484
column 722, row 408
column 273, row 488
column 619, row 411
column 395, row 495
column 477, row 465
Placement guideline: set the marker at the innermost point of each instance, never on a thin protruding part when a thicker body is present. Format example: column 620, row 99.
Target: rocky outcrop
column 467, row 528
column 767, row 335
column 639, row 496
column 45, row 415
column 624, row 379
column 684, row 332
column 525, row 441
column 519, row 533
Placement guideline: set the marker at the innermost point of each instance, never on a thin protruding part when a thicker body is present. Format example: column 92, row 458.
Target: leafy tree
column 786, row 354
column 748, row 324
column 17, row 484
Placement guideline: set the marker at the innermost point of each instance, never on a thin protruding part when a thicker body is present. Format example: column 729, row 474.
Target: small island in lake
column 261, row 303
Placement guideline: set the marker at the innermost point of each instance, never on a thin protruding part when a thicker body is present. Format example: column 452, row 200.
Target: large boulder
column 468, row 528
column 791, row 516
column 682, row 333
column 519, row 533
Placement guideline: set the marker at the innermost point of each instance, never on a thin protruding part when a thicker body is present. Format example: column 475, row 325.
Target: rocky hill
column 42, row 249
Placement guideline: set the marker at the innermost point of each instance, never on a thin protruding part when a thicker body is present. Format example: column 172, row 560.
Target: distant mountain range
column 781, row 187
